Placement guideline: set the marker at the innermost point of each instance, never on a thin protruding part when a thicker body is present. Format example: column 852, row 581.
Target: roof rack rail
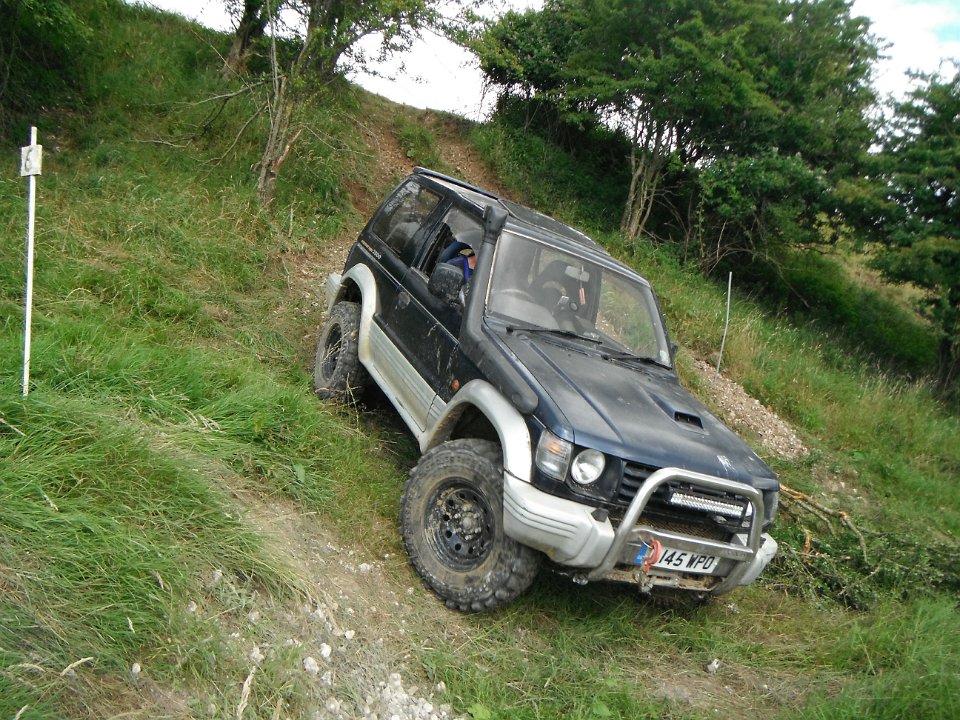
column 447, row 178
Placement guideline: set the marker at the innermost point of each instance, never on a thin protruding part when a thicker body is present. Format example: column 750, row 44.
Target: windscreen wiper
column 625, row 356
column 551, row 331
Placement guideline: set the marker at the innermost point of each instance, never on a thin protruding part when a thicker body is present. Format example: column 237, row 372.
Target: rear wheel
column 451, row 519
column 337, row 372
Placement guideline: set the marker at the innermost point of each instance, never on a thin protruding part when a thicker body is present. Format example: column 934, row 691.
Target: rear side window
column 401, row 217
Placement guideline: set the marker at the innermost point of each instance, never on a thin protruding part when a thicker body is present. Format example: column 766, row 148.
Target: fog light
column 587, row 467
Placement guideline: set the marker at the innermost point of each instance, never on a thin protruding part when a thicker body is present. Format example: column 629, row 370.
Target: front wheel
column 337, row 372
column 451, row 519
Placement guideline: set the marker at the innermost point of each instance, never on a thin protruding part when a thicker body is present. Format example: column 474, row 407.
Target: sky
column 441, row 76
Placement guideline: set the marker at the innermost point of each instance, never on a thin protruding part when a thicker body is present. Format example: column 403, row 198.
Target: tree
column 740, row 112
column 251, row 19
column 41, row 46
column 922, row 225
column 790, row 178
column 327, row 35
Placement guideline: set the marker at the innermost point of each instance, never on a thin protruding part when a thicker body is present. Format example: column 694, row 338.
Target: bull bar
column 628, row 530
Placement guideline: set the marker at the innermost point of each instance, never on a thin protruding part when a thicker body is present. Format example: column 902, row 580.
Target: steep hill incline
column 186, row 531
column 368, row 619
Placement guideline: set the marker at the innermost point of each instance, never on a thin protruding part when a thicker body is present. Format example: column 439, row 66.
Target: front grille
column 633, row 476
column 709, row 532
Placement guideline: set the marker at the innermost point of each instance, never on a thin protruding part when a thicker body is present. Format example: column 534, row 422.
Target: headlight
column 553, row 455
column 587, row 467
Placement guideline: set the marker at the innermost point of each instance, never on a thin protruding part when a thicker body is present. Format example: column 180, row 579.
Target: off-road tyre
column 451, row 520
column 337, row 372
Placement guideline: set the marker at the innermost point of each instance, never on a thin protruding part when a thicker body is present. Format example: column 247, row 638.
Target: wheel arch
column 478, row 410
column 359, row 285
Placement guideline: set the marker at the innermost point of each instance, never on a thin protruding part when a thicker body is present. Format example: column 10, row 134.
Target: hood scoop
column 681, row 417
column 688, row 419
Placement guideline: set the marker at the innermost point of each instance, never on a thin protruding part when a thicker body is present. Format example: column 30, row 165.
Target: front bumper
column 579, row 536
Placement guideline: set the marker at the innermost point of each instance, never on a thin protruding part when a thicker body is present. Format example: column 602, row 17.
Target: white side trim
column 410, row 394
column 510, row 426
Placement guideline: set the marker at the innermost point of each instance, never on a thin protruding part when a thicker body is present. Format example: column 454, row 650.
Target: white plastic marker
column 726, row 326
column 31, row 158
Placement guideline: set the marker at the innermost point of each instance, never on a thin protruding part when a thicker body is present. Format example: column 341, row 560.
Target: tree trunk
column 253, row 22
column 647, row 162
column 278, row 145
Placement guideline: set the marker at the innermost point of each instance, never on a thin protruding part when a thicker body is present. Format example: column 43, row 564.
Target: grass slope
column 172, row 330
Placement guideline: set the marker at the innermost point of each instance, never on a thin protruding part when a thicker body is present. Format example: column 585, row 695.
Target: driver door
column 431, row 325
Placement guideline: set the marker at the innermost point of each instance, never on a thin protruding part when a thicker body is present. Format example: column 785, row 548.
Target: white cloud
column 916, row 31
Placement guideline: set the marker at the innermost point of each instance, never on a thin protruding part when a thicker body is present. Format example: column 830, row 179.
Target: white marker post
column 726, row 326
column 31, row 158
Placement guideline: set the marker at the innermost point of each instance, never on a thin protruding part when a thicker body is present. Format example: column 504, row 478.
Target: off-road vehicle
column 538, row 377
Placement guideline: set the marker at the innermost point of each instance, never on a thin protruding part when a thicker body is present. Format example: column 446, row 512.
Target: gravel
column 331, row 649
column 746, row 414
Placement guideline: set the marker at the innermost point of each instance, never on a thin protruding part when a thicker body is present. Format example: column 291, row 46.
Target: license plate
column 686, row 561
column 681, row 560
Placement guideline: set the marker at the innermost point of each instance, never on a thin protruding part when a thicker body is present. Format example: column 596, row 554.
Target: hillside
column 187, row 532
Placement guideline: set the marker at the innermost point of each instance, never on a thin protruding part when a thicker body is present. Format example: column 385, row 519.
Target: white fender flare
column 369, row 306
column 509, row 424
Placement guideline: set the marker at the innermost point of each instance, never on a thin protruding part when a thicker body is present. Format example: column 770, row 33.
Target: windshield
column 536, row 286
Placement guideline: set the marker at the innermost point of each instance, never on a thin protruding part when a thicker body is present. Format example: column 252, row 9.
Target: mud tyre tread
column 472, row 566
column 337, row 371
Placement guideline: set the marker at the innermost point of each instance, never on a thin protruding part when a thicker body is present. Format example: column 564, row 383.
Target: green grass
column 103, row 533
column 417, row 141
column 172, row 331
column 861, row 323
column 549, row 179
column 905, row 663
column 167, row 376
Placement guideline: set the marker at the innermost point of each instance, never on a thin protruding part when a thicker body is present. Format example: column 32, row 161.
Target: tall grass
column 167, row 377
column 103, row 533
column 171, row 336
column 904, row 661
column 542, row 175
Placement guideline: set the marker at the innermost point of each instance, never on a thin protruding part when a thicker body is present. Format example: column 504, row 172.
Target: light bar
column 695, row 502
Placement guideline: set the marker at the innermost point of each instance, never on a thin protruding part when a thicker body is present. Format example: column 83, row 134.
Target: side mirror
column 446, row 282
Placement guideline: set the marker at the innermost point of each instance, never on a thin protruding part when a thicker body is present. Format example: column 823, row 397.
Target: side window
column 457, row 239
column 401, row 216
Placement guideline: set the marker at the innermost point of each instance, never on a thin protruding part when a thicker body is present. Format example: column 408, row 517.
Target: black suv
column 537, row 375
